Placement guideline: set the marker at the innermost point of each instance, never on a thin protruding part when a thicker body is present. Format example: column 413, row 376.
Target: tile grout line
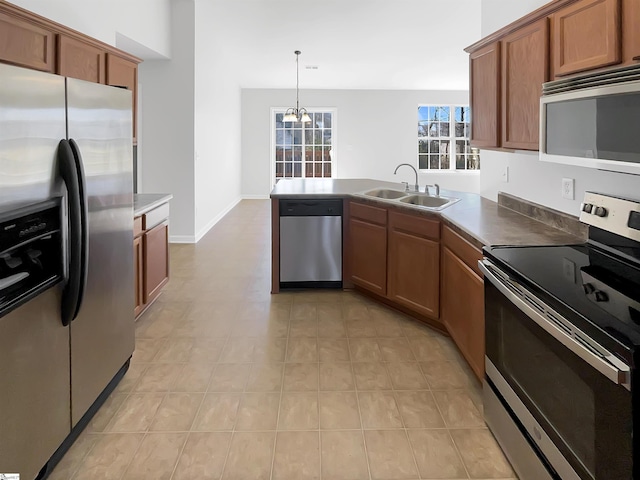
column 284, row 364
column 355, row 387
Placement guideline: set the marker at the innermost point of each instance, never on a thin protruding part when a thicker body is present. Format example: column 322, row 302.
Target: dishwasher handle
column 311, row 208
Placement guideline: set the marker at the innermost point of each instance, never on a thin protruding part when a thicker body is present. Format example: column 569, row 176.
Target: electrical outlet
column 505, row 175
column 567, row 188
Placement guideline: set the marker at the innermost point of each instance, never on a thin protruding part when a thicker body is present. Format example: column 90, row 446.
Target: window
column 304, row 150
column 443, row 139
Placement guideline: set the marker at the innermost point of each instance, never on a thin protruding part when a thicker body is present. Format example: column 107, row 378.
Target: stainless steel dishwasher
column 310, row 243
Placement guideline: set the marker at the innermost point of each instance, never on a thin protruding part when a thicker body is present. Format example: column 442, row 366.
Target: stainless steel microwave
column 593, row 121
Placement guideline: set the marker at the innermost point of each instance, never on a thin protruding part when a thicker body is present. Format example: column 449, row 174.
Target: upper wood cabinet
column 586, row 35
column 26, row 44
column 484, row 71
column 124, row 73
column 367, row 249
column 81, row 60
column 631, row 31
column 525, row 67
column 414, row 263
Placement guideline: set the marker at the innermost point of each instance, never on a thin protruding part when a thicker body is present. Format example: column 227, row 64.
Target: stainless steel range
column 562, row 343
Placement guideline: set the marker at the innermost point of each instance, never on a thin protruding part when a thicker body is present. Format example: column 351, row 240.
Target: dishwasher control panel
column 310, row 208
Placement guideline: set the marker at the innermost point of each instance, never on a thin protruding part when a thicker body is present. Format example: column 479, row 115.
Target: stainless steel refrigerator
column 66, row 259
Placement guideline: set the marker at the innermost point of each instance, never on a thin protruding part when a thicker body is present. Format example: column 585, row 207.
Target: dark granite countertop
column 143, row 202
column 481, row 221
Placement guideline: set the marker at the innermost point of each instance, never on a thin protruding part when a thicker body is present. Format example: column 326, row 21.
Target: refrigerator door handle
column 73, row 289
column 84, row 225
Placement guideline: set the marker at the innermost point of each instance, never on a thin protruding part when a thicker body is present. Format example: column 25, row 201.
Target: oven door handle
column 608, row 365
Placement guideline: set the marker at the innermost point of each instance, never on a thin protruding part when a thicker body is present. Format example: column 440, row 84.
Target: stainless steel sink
column 386, row 194
column 421, row 201
column 434, row 203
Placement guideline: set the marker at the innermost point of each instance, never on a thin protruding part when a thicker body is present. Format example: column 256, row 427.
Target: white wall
column 217, row 111
column 376, row 131
column 530, row 178
column 146, row 22
column 167, row 154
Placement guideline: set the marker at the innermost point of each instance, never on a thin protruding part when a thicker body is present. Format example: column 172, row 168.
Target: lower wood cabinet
column 150, row 256
column 367, row 250
column 156, row 260
column 138, row 276
column 462, row 308
column 414, row 263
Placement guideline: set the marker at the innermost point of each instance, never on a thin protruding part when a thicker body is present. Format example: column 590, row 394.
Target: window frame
column 452, row 138
column 334, row 140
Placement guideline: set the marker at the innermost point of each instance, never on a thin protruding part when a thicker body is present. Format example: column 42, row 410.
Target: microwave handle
column 618, row 375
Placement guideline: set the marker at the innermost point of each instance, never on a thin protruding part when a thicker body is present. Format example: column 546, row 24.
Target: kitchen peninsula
column 423, row 261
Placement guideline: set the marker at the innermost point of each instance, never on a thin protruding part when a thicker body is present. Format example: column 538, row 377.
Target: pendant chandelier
column 297, row 114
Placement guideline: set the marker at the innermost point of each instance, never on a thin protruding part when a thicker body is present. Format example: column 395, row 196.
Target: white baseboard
column 182, row 239
column 203, row 231
column 255, row 197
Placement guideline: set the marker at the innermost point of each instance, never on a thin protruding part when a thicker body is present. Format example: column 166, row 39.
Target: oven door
column 568, row 393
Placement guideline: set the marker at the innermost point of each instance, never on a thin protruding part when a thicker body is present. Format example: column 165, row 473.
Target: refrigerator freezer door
column 32, row 122
column 102, row 335
column 34, row 345
column 34, row 384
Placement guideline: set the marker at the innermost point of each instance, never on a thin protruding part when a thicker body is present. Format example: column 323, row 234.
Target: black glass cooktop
column 590, row 286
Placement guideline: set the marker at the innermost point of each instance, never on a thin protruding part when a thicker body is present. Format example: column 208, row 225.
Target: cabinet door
column 631, row 30
column 525, row 67
column 26, row 44
column 124, row 73
column 138, row 275
column 414, row 267
column 81, row 60
column 368, row 255
column 463, row 309
column 484, row 71
column 156, row 260
column 586, row 35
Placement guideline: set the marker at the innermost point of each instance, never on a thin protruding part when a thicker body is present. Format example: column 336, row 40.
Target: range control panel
column 617, row 215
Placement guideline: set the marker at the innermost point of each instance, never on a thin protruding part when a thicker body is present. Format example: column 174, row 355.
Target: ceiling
column 356, row 44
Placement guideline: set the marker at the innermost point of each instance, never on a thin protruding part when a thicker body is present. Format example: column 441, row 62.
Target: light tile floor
column 229, row 382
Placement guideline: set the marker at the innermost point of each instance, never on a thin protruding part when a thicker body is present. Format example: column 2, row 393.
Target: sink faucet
column 436, row 186
column 416, row 187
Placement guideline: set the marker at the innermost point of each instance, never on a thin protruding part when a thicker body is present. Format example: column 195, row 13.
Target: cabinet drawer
column 155, row 216
column 462, row 248
column 414, row 224
column 369, row 213
column 137, row 226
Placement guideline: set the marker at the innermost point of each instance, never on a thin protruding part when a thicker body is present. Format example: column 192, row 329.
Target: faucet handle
column 436, row 186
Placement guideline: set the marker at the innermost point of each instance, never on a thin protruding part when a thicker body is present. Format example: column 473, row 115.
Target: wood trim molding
column 14, row 10
column 532, row 17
